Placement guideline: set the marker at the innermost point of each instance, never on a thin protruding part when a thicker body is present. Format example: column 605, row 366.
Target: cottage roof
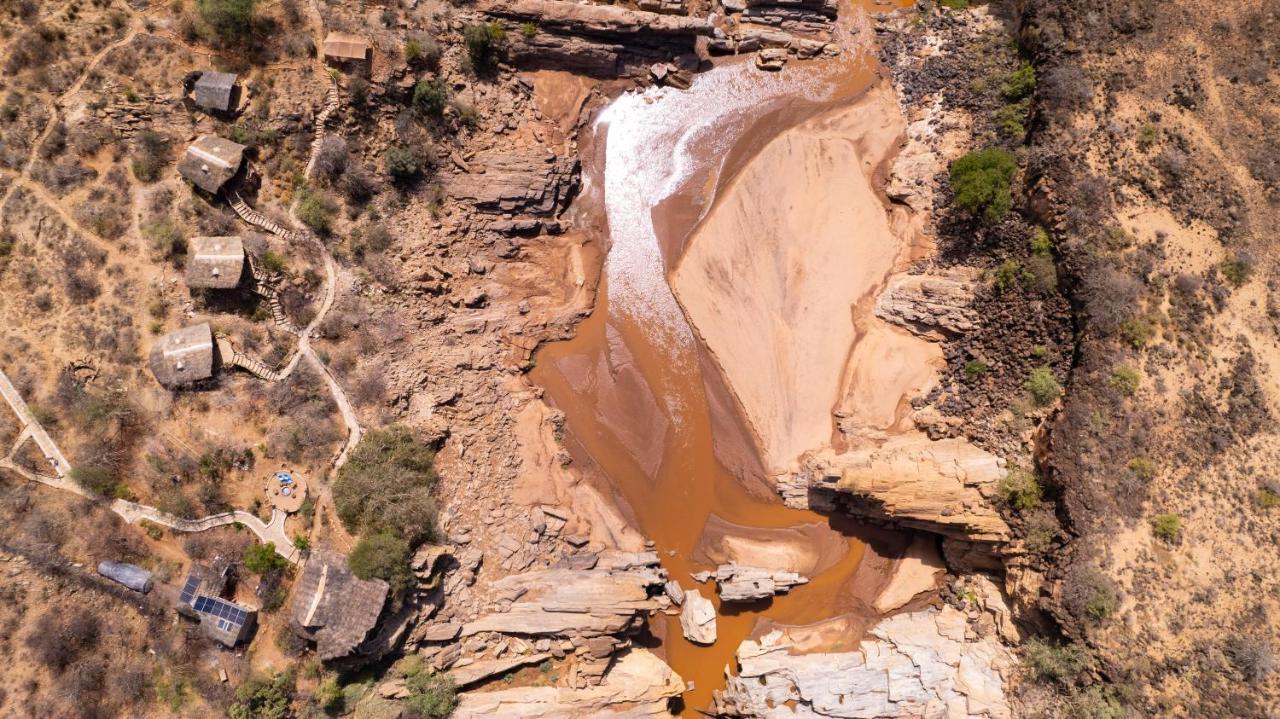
column 345, row 46
column 211, row 161
column 216, row 90
column 215, row 262
column 334, row 607
column 183, row 356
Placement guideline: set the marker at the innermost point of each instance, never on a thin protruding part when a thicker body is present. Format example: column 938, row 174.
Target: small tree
column 95, row 478
column 230, row 20
column 484, row 40
column 1020, row 489
column 403, row 163
column 431, row 96
column 1125, row 380
column 382, row 556
column 315, row 209
column 1167, row 527
column 981, row 181
column 262, row 558
column 386, row 484
column 431, row 695
column 260, row 698
column 1042, row 386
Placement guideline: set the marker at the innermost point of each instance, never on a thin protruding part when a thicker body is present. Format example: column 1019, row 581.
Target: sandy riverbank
column 780, row 277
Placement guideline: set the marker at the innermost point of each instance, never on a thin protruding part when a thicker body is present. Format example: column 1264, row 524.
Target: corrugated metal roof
column 345, row 46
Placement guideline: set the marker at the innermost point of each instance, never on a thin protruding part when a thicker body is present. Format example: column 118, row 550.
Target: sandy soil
column 796, row 241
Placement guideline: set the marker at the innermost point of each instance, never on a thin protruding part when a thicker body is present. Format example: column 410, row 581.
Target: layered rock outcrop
column 947, row 487
column 638, row 685
column 931, row 305
column 597, row 40
column 921, row 664
column 501, row 181
column 738, row 583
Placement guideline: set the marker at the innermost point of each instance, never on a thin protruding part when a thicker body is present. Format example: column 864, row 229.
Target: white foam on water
column 649, row 155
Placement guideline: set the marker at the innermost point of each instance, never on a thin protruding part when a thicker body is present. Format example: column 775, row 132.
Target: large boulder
column 698, row 618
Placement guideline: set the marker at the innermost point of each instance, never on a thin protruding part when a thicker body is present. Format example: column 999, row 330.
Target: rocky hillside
column 1153, row 163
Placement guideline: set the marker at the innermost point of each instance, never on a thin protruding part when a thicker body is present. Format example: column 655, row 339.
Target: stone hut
column 223, row 621
column 333, row 607
column 184, row 357
column 217, row 91
column 347, row 51
column 215, row 262
column 211, row 162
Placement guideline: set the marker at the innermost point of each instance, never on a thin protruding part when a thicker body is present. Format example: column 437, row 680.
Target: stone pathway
column 132, row 512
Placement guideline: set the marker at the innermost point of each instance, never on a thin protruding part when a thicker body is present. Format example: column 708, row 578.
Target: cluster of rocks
column 934, row 305
column 585, row 607
column 739, row 583
column 933, row 662
column 503, row 182
column 776, row 30
column 603, row 41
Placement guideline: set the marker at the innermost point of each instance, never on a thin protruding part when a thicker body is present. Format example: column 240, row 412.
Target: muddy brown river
column 648, row 415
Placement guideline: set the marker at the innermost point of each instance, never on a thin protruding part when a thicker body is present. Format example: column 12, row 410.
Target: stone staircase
column 264, row 285
column 232, row 357
column 331, row 105
column 257, row 219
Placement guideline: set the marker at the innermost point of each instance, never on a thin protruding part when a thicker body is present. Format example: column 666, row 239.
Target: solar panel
column 189, row 589
column 221, row 609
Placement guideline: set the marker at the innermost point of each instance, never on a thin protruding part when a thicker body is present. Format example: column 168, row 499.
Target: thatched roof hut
column 184, row 356
column 333, row 607
column 211, row 161
column 217, row 91
column 215, row 262
column 342, row 48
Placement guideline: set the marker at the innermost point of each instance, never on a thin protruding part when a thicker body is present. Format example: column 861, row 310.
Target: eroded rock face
column 638, row 685
column 504, row 182
column 743, row 584
column 947, row 487
column 931, row 305
column 609, row 598
column 598, row 40
column 914, row 665
column 698, row 618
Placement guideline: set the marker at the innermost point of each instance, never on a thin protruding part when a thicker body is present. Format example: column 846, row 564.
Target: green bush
column 316, row 210
column 1061, row 663
column 382, row 556
column 403, row 163
column 1167, row 527
column 1138, row 331
column 1236, row 270
column 229, row 20
column 484, row 41
column 981, row 181
column 431, row 695
column 1043, row 387
column 273, row 261
column 1096, row 702
column 422, row 51
column 954, row 4
column 529, row 30
column 1019, row 84
column 260, row 698
column 262, row 558
column 329, row 696
column 1041, row 274
column 974, row 369
column 1007, row 274
column 95, row 478
column 1143, row 468
column 1020, row 489
column 1268, row 498
column 1125, row 380
column 431, row 96
column 1041, row 244
column 386, row 486
column 1010, row 120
